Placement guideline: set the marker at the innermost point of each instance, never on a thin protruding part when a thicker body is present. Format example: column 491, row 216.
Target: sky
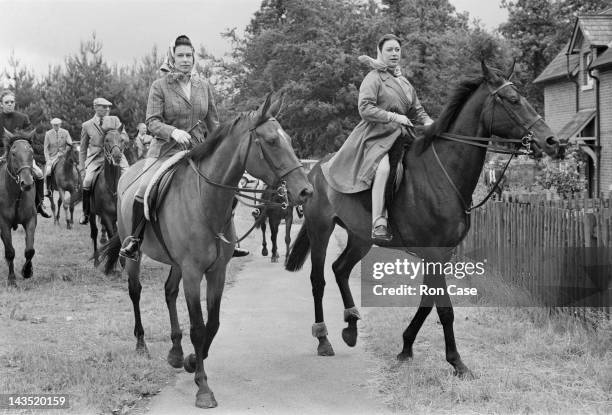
column 43, row 32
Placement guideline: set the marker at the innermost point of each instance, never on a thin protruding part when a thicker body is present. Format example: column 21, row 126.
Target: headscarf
column 378, row 63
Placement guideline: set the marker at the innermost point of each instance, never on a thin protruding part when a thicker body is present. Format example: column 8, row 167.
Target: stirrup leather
column 381, row 232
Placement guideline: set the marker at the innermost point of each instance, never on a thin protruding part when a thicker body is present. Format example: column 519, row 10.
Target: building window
column 587, row 81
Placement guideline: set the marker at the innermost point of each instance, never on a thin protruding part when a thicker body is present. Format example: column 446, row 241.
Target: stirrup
column 130, row 248
column 381, row 232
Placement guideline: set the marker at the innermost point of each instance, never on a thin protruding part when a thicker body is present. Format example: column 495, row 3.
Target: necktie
column 101, row 118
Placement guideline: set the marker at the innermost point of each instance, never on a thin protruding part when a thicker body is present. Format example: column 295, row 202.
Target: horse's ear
column 31, row 134
column 277, row 105
column 511, row 70
column 8, row 134
column 486, row 72
column 263, row 110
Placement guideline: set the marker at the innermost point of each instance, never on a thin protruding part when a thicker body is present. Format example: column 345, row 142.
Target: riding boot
column 131, row 244
column 40, row 195
column 85, row 218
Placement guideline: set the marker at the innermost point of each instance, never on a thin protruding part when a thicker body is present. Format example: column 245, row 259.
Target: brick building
column 578, row 95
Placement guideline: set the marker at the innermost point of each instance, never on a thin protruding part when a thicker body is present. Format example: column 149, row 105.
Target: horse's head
column 20, row 158
column 507, row 114
column 113, row 145
column 270, row 156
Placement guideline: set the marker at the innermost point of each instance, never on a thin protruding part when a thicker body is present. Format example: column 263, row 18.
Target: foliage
column 564, row 176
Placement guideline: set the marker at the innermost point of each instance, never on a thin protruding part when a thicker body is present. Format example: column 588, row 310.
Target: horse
column 66, row 180
column 274, row 214
column 17, row 199
column 131, row 152
column 495, row 181
column 103, row 199
column 194, row 232
column 430, row 212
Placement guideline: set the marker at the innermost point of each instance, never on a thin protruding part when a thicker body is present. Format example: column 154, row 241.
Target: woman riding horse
column 387, row 102
column 177, row 103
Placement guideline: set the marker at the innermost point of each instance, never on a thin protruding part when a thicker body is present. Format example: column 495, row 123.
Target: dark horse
column 103, row 199
column 430, row 213
column 274, row 215
column 17, row 202
column 66, row 180
column 495, row 177
column 194, row 232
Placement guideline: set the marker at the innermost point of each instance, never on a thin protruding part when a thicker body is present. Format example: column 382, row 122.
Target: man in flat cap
column 91, row 156
column 57, row 141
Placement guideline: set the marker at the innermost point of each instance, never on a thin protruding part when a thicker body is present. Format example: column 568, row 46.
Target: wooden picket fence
column 558, row 250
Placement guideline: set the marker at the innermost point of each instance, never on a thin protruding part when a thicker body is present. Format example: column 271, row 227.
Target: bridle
column 264, row 156
column 524, row 143
column 16, row 175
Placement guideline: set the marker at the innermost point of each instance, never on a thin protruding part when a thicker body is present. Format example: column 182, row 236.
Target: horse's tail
column 109, row 254
column 299, row 250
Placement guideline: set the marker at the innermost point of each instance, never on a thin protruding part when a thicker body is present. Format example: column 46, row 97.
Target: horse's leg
column 30, row 228
column 135, row 288
column 409, row 335
column 274, row 224
column 192, row 278
column 9, row 251
column 52, row 203
column 354, row 251
column 175, row 355
column 65, row 197
column 319, row 234
column 447, row 317
column 264, row 249
column 288, row 223
column 73, row 198
column 93, row 233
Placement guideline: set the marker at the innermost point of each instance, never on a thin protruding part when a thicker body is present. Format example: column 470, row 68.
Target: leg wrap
column 319, row 330
column 352, row 312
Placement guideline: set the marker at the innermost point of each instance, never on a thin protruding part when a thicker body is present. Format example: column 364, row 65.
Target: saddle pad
column 159, row 184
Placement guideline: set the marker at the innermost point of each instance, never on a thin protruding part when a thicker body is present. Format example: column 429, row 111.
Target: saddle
column 160, row 183
column 396, row 165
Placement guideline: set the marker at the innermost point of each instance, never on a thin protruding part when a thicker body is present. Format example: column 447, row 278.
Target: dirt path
column 263, row 360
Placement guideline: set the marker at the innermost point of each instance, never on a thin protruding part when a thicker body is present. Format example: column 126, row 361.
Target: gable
column 558, row 68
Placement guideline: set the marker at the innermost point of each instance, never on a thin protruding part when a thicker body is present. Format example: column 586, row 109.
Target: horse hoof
column 189, row 364
column 142, row 350
column 464, row 374
column 404, row 356
column 325, row 348
column 264, row 252
column 27, row 272
column 175, row 359
column 274, row 259
column 206, row 400
column 349, row 335
column 12, row 283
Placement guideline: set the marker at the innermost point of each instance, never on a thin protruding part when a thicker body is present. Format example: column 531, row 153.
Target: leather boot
column 85, row 218
column 131, row 244
column 40, row 195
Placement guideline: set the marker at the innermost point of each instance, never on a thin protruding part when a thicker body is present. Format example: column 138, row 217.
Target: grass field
column 69, row 329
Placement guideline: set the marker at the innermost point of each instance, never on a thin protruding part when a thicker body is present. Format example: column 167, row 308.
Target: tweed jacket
column 55, row 143
column 168, row 108
column 353, row 167
column 92, row 138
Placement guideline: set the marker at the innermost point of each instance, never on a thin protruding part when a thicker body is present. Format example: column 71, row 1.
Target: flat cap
column 56, row 121
column 101, row 101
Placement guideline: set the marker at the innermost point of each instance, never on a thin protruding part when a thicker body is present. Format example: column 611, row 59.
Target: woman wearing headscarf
column 387, row 103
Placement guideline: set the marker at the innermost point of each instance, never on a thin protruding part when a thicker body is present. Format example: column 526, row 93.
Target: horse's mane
column 205, row 149
column 68, row 165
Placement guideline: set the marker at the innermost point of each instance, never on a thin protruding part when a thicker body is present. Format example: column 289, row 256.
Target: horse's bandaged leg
column 319, row 330
column 351, row 313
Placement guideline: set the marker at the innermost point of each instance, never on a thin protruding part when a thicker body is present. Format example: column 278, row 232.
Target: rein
column 524, row 143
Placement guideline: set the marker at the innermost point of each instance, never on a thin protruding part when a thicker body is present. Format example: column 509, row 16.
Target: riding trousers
column 95, row 165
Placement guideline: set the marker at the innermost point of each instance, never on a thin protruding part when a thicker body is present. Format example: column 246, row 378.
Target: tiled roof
column 597, row 29
column 605, row 59
column 558, row 67
column 576, row 124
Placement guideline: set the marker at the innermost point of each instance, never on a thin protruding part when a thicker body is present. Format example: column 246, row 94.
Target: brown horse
column 103, row 199
column 66, row 180
column 430, row 212
column 194, row 232
column 17, row 199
